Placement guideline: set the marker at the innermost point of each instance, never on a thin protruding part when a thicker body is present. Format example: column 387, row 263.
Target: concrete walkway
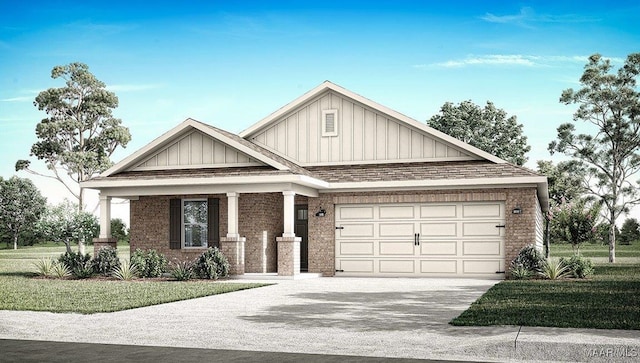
column 399, row 318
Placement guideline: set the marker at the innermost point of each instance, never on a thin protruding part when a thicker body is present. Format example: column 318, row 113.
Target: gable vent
column 330, row 123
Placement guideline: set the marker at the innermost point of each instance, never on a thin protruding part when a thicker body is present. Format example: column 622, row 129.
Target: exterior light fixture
column 321, row 213
column 517, row 210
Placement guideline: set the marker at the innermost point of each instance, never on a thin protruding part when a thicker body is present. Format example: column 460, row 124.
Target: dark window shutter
column 175, row 224
column 213, row 228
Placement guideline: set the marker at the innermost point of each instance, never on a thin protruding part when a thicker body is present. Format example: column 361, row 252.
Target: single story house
column 331, row 183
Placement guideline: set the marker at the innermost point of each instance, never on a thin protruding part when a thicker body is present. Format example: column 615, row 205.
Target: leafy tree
column 80, row 134
column 610, row 103
column 575, row 222
column 488, row 129
column 21, row 205
column 566, row 180
column 119, row 230
column 64, row 223
column 630, row 231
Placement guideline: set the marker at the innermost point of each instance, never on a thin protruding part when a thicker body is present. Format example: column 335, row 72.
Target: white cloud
column 18, row 99
column 522, row 60
column 527, row 17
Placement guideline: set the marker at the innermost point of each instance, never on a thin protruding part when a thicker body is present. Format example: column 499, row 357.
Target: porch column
column 289, row 244
column 104, row 239
column 232, row 246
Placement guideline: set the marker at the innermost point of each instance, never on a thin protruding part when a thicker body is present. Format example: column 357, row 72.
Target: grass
column 22, row 291
column 607, row 300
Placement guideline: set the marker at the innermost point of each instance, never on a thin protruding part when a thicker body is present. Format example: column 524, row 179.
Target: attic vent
column 330, row 123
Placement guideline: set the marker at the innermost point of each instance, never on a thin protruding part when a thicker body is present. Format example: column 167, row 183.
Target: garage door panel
column 350, row 248
column 443, row 229
column 389, row 248
column 397, row 266
column 359, row 266
column 481, row 266
column 481, row 229
column 396, row 229
column 433, row 248
column 485, row 248
column 438, row 266
column 438, row 211
column 482, row 210
column 397, row 212
column 356, row 230
column 347, row 213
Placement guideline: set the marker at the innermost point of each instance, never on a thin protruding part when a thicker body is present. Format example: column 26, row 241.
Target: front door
column 301, row 230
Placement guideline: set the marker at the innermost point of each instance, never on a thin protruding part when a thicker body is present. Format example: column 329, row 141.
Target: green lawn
column 607, row 300
column 22, row 291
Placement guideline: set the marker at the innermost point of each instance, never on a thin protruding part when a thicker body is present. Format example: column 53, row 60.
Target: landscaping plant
column 106, row 261
column 60, row 270
column 212, row 264
column 125, row 271
column 182, row 271
column 44, row 267
column 80, row 265
column 528, row 258
column 553, row 269
column 149, row 263
column 578, row 266
column 520, row 273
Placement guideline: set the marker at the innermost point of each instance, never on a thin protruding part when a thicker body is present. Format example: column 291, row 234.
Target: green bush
column 553, row 269
column 60, row 270
column 149, row 263
column 212, row 264
column 106, row 261
column 125, row 271
column 529, row 258
column 520, row 273
column 79, row 265
column 578, row 266
column 44, row 267
column 183, row 271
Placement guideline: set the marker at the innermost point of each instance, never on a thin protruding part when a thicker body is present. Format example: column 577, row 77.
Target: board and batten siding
column 363, row 135
column 195, row 150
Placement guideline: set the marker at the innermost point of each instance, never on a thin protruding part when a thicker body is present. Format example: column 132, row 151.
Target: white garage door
column 443, row 239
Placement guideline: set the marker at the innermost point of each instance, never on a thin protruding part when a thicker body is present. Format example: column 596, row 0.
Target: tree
column 566, row 180
column 575, row 222
column 65, row 223
column 488, row 129
column 119, row 230
column 610, row 103
column 21, row 205
column 630, row 231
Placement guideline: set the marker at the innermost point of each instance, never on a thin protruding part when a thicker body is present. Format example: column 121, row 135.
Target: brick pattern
column 520, row 228
column 261, row 221
column 233, row 249
column 99, row 243
column 288, row 256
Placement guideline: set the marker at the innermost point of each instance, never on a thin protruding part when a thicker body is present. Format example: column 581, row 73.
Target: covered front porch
column 253, row 223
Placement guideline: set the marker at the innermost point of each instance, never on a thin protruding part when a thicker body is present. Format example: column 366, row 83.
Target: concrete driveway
column 390, row 317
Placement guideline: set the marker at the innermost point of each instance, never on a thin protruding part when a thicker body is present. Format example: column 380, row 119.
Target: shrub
column 520, row 273
column 149, row 263
column 183, row 271
column 529, row 258
column 553, row 269
column 79, row 265
column 44, row 267
column 125, row 271
column 106, row 260
column 212, row 264
column 60, row 270
column 578, row 266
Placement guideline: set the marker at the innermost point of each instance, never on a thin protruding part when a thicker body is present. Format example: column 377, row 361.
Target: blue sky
column 232, row 63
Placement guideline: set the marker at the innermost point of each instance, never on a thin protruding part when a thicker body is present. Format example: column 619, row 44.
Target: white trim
column 326, row 85
column 336, row 122
column 515, row 182
column 143, row 153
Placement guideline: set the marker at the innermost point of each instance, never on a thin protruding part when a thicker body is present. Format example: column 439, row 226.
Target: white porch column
column 289, row 217
column 105, row 216
column 232, row 202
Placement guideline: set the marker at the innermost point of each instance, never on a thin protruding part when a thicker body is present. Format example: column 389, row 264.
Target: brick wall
column 260, row 221
column 519, row 232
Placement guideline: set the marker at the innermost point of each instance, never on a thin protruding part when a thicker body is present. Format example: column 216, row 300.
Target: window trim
column 182, row 229
column 335, row 114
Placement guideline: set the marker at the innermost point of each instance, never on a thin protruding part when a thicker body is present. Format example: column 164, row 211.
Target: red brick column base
column 233, row 249
column 98, row 243
column 288, row 256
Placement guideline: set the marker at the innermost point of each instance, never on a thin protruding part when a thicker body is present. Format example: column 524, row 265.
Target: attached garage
column 421, row 239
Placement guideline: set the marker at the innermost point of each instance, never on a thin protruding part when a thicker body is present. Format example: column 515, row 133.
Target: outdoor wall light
column 517, row 210
column 321, row 213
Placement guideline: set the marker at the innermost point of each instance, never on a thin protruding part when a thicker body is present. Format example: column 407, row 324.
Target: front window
column 194, row 223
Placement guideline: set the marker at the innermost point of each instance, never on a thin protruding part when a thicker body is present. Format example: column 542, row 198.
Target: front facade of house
column 331, row 183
